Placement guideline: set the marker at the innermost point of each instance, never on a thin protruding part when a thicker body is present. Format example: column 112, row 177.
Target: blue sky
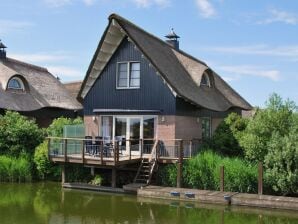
column 252, row 44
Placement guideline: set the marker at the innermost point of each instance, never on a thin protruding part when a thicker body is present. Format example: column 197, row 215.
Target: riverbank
column 199, row 196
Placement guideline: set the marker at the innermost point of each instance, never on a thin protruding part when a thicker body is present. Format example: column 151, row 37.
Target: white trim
column 127, row 75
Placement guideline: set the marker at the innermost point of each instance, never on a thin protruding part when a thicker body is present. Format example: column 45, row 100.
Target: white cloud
column 289, row 51
column 41, row 57
column 57, row 3
column 149, row 3
column 250, row 70
column 280, row 16
column 61, row 3
column 89, row 2
column 65, row 73
column 206, row 8
column 9, row 26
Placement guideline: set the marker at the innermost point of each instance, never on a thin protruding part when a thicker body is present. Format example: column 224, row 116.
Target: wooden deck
column 79, row 151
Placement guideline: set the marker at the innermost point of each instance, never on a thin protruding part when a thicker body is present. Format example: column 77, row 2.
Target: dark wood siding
column 153, row 94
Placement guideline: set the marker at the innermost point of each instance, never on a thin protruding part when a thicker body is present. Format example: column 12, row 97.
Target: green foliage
column 225, row 139
column 18, row 134
column 45, row 169
column 97, row 180
column 202, row 172
column 276, row 118
column 15, row 169
column 56, row 128
column 167, row 175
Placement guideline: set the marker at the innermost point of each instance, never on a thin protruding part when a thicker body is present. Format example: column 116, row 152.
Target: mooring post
column 62, row 174
column 114, row 177
column 180, row 164
column 260, row 178
column 222, row 178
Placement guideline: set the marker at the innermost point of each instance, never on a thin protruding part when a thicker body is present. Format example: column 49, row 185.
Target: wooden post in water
column 260, row 178
column 180, row 164
column 114, row 177
column 62, row 174
column 222, row 178
column 129, row 143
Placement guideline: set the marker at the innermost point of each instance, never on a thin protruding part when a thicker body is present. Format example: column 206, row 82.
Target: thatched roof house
column 33, row 91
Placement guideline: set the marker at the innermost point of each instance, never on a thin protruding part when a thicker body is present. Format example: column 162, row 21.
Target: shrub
column 18, row 134
column 225, row 139
column 97, row 180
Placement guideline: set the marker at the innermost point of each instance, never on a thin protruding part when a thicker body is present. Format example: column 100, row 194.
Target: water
column 48, row 203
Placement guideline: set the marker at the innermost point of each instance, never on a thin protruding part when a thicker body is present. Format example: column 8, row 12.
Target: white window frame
column 207, row 79
column 128, row 75
column 19, row 81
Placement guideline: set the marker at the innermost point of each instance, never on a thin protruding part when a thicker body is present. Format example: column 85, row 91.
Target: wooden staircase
column 147, row 167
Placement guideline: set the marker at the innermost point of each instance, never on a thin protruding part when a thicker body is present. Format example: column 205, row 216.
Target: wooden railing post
column 222, row 178
column 117, row 151
column 83, row 152
column 65, row 150
column 190, row 148
column 260, row 178
column 101, row 152
column 142, row 147
column 114, row 150
column 129, row 144
column 180, row 164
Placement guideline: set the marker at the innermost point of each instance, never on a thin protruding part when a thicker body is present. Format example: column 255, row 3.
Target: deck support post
column 260, row 178
column 92, row 170
column 62, row 174
column 180, row 164
column 222, row 178
column 114, row 177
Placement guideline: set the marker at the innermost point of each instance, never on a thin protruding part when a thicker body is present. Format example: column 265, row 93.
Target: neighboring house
column 139, row 86
column 33, row 91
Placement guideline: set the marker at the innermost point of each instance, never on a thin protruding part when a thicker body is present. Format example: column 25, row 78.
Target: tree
column 18, row 134
column 276, row 118
column 56, row 128
column 225, row 139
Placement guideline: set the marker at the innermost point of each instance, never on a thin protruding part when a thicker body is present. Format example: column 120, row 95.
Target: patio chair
column 88, row 144
column 97, row 145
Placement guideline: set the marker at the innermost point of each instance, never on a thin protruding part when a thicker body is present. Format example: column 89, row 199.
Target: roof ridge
column 116, row 16
column 28, row 64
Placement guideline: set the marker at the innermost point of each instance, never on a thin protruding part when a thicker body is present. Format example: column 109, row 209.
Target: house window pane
column 122, row 75
column 15, row 83
column 134, row 80
column 135, row 133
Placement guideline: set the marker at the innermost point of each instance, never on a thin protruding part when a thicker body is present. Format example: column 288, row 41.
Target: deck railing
column 81, row 150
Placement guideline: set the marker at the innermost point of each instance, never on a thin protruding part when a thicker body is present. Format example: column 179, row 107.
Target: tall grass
column 202, row 172
column 15, row 169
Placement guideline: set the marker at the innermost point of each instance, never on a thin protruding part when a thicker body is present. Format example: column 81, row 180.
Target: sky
column 253, row 45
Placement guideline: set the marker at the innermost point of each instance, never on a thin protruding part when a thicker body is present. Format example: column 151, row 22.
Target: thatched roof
column 181, row 71
column 73, row 87
column 42, row 89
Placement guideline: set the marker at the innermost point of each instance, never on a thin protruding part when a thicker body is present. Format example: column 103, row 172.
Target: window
column 128, row 75
column 206, row 127
column 205, row 81
column 15, row 84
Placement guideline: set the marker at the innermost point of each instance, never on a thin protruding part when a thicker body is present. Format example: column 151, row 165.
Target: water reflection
column 47, row 203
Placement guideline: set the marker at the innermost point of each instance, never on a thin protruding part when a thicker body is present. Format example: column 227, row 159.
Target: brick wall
column 187, row 128
column 214, row 123
column 92, row 125
column 166, row 127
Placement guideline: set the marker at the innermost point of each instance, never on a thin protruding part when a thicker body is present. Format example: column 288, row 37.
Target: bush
column 225, row 139
column 45, row 169
column 18, row 134
column 97, row 180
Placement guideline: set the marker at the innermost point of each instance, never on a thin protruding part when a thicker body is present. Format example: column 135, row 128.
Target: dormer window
column 128, row 75
column 16, row 84
column 205, row 81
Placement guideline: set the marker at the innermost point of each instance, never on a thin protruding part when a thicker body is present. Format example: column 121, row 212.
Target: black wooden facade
column 153, row 93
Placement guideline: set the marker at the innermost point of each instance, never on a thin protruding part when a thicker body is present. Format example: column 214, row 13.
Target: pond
column 48, row 203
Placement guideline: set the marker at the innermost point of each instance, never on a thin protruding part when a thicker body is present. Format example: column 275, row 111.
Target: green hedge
column 202, row 172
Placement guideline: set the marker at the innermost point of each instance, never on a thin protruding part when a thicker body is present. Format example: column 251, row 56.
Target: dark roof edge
column 116, row 16
column 79, row 98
